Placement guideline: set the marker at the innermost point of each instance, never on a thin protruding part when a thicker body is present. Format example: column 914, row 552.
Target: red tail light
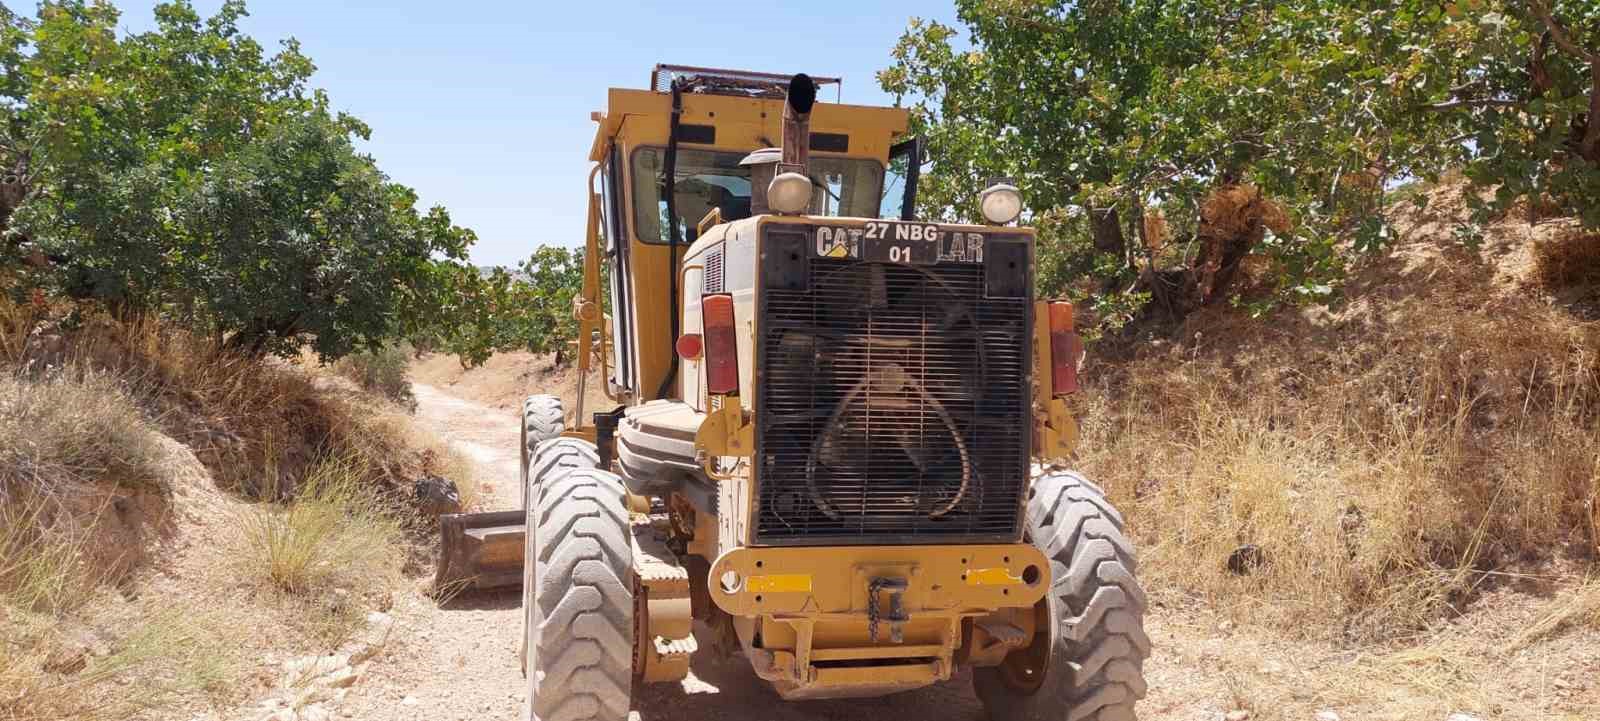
column 689, row 346
column 721, row 344
column 1065, row 347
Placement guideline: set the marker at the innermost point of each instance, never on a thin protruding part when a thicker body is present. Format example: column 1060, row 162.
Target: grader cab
column 829, row 428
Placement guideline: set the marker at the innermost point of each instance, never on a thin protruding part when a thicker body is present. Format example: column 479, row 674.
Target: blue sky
column 483, row 105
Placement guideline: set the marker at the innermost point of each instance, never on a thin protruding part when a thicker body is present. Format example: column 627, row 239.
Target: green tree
column 1158, row 142
column 187, row 172
column 554, row 277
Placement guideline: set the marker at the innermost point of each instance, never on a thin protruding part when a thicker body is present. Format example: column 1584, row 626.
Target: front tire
column 543, row 418
column 579, row 594
column 552, row 459
column 1090, row 664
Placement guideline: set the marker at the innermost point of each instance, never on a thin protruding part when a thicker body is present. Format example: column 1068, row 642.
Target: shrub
column 382, row 371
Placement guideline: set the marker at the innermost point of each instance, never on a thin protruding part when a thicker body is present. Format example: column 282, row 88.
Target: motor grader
column 832, row 437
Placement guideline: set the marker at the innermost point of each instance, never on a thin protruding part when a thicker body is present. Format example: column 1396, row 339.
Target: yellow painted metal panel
column 779, row 583
column 999, row 576
column 936, row 578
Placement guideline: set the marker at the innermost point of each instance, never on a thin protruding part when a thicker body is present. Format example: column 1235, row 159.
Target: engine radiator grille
column 893, row 406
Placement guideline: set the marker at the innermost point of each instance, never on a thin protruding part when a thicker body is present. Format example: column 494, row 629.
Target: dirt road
column 459, row 661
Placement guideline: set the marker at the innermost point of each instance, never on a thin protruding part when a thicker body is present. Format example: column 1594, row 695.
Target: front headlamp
column 789, row 193
column 1001, row 203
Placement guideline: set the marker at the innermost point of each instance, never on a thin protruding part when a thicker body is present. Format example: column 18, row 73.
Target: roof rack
column 716, row 81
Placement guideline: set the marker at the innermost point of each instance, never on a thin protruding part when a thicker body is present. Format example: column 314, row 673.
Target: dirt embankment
column 221, row 533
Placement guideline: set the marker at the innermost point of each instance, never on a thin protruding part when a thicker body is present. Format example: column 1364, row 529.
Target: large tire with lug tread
column 580, row 592
column 543, row 418
column 1091, row 666
column 552, row 458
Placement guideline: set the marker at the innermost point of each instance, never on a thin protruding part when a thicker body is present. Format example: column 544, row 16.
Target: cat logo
column 838, row 242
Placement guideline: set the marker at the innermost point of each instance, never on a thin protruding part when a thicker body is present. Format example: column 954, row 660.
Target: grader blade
column 479, row 551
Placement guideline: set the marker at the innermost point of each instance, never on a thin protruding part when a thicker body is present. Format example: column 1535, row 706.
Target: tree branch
column 1472, row 103
column 1589, row 146
column 1558, row 32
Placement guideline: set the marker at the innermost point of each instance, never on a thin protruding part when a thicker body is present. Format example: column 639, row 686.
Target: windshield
column 714, row 179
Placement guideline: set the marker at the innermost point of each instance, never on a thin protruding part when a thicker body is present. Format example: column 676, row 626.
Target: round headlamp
column 1001, row 203
column 789, row 193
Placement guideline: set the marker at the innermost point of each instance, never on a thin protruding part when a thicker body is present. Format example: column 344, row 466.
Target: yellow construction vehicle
column 830, row 428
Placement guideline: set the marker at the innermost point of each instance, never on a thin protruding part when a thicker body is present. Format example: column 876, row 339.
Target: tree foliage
column 1519, row 84
column 529, row 308
column 1158, row 142
column 186, row 171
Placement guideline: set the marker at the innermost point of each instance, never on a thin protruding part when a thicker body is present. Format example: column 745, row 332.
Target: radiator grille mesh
column 893, row 406
column 714, row 275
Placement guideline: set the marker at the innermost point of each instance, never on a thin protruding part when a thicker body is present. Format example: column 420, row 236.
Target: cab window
column 708, row 179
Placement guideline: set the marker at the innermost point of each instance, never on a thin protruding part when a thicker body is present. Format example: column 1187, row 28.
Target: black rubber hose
column 671, row 190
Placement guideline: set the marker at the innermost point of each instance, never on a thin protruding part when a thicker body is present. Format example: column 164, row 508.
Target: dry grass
column 71, row 653
column 1392, row 458
column 1580, row 609
column 335, row 532
column 1232, row 211
column 34, row 686
column 387, row 442
column 76, row 458
column 319, row 480
column 59, row 434
column 257, row 424
column 326, row 556
column 40, row 568
column 1569, row 259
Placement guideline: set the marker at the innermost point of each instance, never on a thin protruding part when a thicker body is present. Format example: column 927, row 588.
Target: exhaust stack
column 797, row 124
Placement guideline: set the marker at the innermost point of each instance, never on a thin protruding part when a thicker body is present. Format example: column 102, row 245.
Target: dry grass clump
column 61, row 433
column 1389, row 461
column 1239, row 210
column 325, row 556
column 44, row 675
column 1568, row 259
column 40, row 567
column 80, row 470
column 335, row 532
column 1578, row 609
column 388, row 443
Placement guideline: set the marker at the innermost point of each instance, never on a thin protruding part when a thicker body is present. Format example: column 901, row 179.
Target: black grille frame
column 989, row 404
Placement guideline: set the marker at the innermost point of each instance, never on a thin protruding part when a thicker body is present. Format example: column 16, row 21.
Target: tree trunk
column 1106, row 226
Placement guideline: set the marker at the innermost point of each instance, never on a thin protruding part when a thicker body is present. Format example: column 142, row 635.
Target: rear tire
column 1090, row 667
column 543, row 418
column 578, row 587
column 552, row 459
